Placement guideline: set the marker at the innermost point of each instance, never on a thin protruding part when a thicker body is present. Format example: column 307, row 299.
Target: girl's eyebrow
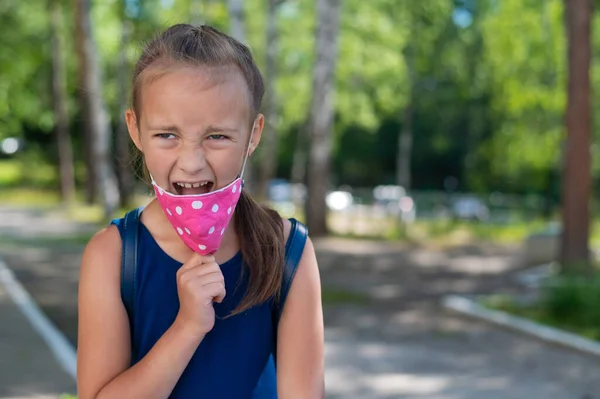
column 215, row 129
column 165, row 128
column 209, row 129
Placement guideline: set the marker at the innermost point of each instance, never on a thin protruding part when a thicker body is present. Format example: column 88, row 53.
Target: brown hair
column 260, row 229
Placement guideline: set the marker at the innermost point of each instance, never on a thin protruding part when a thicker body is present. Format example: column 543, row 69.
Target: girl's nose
column 191, row 160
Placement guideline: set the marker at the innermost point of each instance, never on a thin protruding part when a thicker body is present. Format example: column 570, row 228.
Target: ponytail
column 260, row 230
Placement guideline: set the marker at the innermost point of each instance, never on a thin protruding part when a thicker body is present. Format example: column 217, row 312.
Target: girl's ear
column 132, row 127
column 259, row 124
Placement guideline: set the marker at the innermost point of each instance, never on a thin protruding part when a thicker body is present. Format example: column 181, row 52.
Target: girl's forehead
column 194, row 94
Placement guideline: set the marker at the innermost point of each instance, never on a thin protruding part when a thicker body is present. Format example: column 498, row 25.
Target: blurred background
column 433, row 147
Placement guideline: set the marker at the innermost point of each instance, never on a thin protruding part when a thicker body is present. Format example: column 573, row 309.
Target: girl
column 205, row 289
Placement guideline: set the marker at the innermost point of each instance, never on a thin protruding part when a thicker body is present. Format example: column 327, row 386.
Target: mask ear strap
column 247, row 153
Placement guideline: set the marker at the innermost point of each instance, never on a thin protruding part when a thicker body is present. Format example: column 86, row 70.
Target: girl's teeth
column 192, row 185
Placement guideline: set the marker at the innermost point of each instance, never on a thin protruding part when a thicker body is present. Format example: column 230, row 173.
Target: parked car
column 395, row 201
column 470, row 208
column 282, row 191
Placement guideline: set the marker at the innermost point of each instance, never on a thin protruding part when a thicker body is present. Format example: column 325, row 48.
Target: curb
column 542, row 332
column 60, row 347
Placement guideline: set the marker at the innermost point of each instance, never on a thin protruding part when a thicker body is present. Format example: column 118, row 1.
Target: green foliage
column 488, row 93
column 371, row 74
column 567, row 302
column 24, row 87
column 528, row 80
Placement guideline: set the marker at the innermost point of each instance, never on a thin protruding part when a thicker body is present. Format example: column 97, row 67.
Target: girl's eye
column 217, row 137
column 165, row 135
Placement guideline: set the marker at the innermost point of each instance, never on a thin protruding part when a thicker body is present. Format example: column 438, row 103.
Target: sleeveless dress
column 234, row 360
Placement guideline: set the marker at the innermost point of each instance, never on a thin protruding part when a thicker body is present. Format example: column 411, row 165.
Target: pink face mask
column 201, row 219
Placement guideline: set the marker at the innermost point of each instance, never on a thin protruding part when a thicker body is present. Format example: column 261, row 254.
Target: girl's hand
column 199, row 283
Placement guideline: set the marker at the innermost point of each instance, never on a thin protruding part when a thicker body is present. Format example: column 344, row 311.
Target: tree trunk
column 97, row 117
column 268, row 166
column 197, row 11
column 577, row 180
column 125, row 177
column 59, row 94
column 237, row 31
column 91, row 168
column 405, row 138
column 321, row 115
column 298, row 173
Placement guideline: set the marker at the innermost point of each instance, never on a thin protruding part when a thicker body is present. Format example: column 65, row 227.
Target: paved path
column 387, row 337
column 404, row 345
column 28, row 369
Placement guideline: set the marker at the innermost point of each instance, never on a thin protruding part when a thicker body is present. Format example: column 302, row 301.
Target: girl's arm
column 104, row 351
column 300, row 363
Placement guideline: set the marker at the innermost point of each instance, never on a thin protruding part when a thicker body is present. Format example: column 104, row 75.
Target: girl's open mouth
column 193, row 188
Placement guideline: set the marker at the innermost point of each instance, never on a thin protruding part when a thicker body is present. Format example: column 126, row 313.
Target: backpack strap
column 294, row 248
column 131, row 229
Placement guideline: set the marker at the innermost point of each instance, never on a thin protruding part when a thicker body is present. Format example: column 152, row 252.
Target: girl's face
column 194, row 129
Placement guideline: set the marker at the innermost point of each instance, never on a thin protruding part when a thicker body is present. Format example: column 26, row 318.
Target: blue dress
column 233, row 356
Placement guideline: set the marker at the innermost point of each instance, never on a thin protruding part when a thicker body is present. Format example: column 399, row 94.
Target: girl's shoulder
column 106, row 241
column 101, row 257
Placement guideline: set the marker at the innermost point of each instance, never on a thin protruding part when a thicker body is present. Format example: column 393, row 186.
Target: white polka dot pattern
column 199, row 218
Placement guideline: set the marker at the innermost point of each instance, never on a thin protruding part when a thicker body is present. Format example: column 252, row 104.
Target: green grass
column 31, row 171
column 571, row 303
column 338, row 297
column 10, row 172
column 469, row 230
column 34, row 197
column 47, row 241
column 451, row 231
column 40, row 198
column 442, row 231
